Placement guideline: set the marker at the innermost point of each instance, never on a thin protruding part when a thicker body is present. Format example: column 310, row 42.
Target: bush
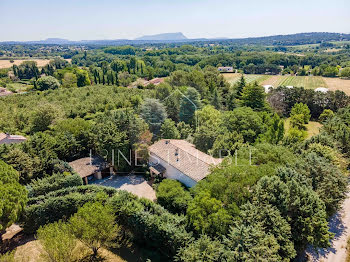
column 57, row 241
column 46, row 83
column 173, row 196
column 52, row 183
column 53, row 209
column 149, row 223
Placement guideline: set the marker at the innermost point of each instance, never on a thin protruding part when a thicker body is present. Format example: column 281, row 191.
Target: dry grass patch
column 312, row 128
column 8, row 64
column 32, row 250
column 40, row 62
column 338, row 84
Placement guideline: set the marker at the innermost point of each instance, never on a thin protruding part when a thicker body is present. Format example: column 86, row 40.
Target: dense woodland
column 267, row 209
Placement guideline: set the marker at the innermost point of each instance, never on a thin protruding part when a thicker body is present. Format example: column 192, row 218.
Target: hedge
column 151, row 224
column 54, row 182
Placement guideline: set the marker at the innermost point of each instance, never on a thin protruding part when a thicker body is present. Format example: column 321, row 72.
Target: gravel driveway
column 135, row 184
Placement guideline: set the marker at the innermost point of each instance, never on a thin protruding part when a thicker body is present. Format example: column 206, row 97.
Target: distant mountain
column 55, row 41
column 163, row 37
column 179, row 38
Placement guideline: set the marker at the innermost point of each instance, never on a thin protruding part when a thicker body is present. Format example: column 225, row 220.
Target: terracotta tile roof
column 88, row 166
column 184, row 157
column 11, row 139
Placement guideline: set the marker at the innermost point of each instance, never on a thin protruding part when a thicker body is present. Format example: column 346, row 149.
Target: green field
column 233, row 78
column 309, row 82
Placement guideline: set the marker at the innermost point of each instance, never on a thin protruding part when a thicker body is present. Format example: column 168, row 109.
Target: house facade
column 180, row 160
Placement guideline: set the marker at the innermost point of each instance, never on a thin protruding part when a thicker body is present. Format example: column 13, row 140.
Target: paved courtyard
column 135, row 184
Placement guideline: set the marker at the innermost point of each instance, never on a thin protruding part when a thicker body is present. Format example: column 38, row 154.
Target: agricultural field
column 309, row 82
column 338, row 84
column 40, row 62
column 233, row 78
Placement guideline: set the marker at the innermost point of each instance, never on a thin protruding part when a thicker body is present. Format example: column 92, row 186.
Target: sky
column 22, row 20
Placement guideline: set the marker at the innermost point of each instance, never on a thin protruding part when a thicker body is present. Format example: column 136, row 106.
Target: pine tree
column 216, row 101
column 116, row 79
column 241, row 84
column 189, row 104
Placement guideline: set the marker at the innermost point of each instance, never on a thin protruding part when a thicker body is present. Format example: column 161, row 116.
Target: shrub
column 46, row 83
column 57, row 241
column 149, row 223
column 52, row 183
column 173, row 196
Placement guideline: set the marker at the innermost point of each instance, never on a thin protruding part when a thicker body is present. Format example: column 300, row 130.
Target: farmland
column 233, row 78
column 40, row 62
column 309, row 82
column 338, row 84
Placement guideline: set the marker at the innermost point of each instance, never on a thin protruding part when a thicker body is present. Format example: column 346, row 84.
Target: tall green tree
column 189, row 104
column 154, row 114
column 94, row 225
column 240, row 86
column 46, row 83
column 58, row 242
column 169, row 130
column 299, row 205
column 13, row 196
column 275, row 131
column 253, row 96
column 303, row 110
column 207, row 215
column 172, row 195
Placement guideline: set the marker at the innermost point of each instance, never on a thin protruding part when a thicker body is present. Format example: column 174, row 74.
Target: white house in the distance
column 225, row 69
column 180, row 160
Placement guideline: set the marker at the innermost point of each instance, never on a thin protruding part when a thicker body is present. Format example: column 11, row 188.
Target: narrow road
column 340, row 226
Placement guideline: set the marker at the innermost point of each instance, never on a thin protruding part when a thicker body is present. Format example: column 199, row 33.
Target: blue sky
column 114, row 19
